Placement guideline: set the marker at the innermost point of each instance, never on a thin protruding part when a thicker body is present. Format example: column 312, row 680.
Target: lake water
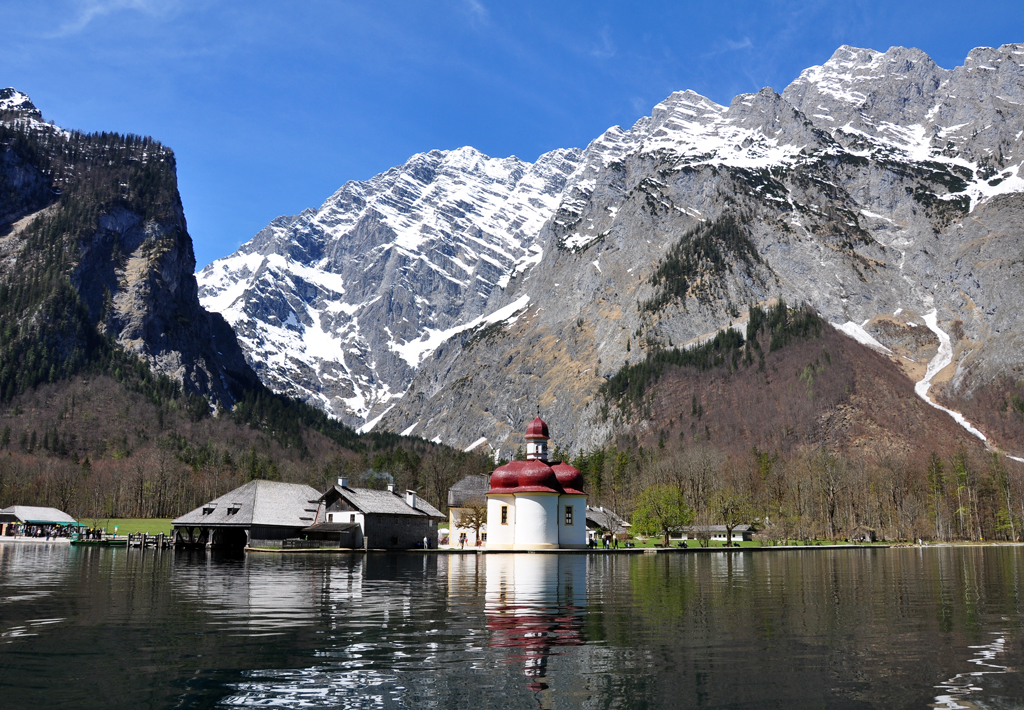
column 863, row 628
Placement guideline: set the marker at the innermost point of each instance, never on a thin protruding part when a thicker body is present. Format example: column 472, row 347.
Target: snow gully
column 941, row 360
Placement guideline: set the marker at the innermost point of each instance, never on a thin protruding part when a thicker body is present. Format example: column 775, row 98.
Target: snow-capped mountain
column 340, row 305
column 878, row 187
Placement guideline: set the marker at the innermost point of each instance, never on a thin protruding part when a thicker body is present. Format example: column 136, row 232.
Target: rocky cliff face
column 340, row 305
column 879, row 188
column 100, row 215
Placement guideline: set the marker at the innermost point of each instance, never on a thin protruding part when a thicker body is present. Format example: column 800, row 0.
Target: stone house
column 381, row 519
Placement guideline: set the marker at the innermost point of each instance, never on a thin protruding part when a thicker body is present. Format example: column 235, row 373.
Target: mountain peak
column 14, row 101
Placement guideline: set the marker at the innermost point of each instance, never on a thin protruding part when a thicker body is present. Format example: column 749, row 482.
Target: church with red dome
column 534, row 504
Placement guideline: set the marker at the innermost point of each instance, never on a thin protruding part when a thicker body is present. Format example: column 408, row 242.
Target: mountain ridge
column 859, row 187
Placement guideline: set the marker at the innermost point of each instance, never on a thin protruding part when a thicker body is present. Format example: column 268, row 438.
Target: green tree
column 733, row 508
column 660, row 509
column 1004, row 518
column 937, row 489
column 473, row 516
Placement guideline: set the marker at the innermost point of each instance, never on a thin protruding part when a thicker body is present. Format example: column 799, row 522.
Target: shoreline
column 570, row 551
column 636, row 550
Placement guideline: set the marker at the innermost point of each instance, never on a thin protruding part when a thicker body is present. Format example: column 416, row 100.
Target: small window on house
column 568, row 515
column 352, row 518
column 504, row 515
column 330, row 517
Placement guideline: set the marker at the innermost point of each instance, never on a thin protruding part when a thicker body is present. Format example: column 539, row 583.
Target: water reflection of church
column 534, row 605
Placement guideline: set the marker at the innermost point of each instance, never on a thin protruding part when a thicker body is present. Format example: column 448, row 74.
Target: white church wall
column 501, row 533
column 574, row 535
column 536, row 520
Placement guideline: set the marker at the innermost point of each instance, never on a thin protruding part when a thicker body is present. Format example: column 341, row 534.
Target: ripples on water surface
column 907, row 628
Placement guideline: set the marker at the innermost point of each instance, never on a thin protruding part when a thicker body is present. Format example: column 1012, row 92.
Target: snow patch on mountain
column 857, row 332
column 414, row 352
column 942, row 359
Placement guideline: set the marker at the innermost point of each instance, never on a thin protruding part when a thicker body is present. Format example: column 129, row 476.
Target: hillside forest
column 798, row 429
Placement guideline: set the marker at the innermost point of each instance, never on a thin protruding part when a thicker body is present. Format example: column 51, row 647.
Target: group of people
column 47, row 531
column 463, row 539
column 608, row 540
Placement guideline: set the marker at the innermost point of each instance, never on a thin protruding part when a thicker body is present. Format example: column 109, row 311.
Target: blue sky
column 271, row 106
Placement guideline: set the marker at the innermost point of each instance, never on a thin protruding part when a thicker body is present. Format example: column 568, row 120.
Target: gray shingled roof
column 36, row 514
column 606, row 519
column 258, row 503
column 470, row 488
column 712, row 529
column 367, row 500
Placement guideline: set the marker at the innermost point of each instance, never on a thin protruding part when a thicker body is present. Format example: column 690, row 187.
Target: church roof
column 537, row 429
column 531, row 476
column 569, row 477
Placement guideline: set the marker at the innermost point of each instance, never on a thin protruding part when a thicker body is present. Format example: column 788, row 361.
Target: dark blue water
column 901, row 628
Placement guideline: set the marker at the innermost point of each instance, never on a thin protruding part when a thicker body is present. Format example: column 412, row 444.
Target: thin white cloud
column 89, row 10
column 477, row 12
column 605, row 48
column 729, row 45
column 733, row 45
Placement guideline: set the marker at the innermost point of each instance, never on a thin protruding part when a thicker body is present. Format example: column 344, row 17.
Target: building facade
column 466, row 500
column 534, row 504
column 376, row 519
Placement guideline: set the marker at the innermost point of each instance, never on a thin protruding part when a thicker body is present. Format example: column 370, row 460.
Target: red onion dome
column 537, row 429
column 569, row 477
column 505, row 479
column 537, row 476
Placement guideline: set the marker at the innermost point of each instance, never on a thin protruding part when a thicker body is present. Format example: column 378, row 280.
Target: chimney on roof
column 343, row 482
column 391, row 488
column 410, row 498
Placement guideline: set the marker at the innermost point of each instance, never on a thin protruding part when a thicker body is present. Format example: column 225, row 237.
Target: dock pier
column 144, row 540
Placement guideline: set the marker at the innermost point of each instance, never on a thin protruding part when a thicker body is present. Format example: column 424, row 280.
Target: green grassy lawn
column 657, row 542
column 152, row 526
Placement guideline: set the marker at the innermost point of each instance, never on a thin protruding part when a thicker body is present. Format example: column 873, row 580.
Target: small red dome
column 537, row 429
column 537, row 475
column 569, row 477
column 504, row 478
